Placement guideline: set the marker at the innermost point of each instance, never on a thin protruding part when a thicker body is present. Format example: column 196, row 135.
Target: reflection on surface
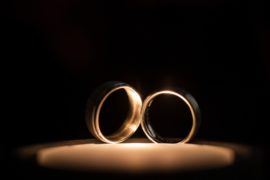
column 135, row 157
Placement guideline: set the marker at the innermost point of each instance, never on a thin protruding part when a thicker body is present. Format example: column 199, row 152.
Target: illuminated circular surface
column 135, row 157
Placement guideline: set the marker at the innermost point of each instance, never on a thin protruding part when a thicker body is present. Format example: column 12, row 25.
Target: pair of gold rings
column 137, row 114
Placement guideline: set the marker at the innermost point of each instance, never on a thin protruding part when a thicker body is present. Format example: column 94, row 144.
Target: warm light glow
column 135, row 157
column 136, row 145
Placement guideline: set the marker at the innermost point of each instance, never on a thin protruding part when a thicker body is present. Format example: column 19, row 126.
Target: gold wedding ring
column 96, row 102
column 189, row 101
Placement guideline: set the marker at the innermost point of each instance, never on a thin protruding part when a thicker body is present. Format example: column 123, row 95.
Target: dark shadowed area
column 57, row 52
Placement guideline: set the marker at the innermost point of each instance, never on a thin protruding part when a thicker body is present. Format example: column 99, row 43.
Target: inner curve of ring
column 130, row 123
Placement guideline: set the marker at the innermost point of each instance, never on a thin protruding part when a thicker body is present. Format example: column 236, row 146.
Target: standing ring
column 189, row 101
column 97, row 100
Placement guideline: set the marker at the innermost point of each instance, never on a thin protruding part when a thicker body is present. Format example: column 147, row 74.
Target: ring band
column 189, row 101
column 97, row 100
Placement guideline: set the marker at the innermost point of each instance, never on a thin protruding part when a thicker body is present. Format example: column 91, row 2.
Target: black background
column 58, row 52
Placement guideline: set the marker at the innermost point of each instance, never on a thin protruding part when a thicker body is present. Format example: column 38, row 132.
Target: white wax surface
column 135, row 157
